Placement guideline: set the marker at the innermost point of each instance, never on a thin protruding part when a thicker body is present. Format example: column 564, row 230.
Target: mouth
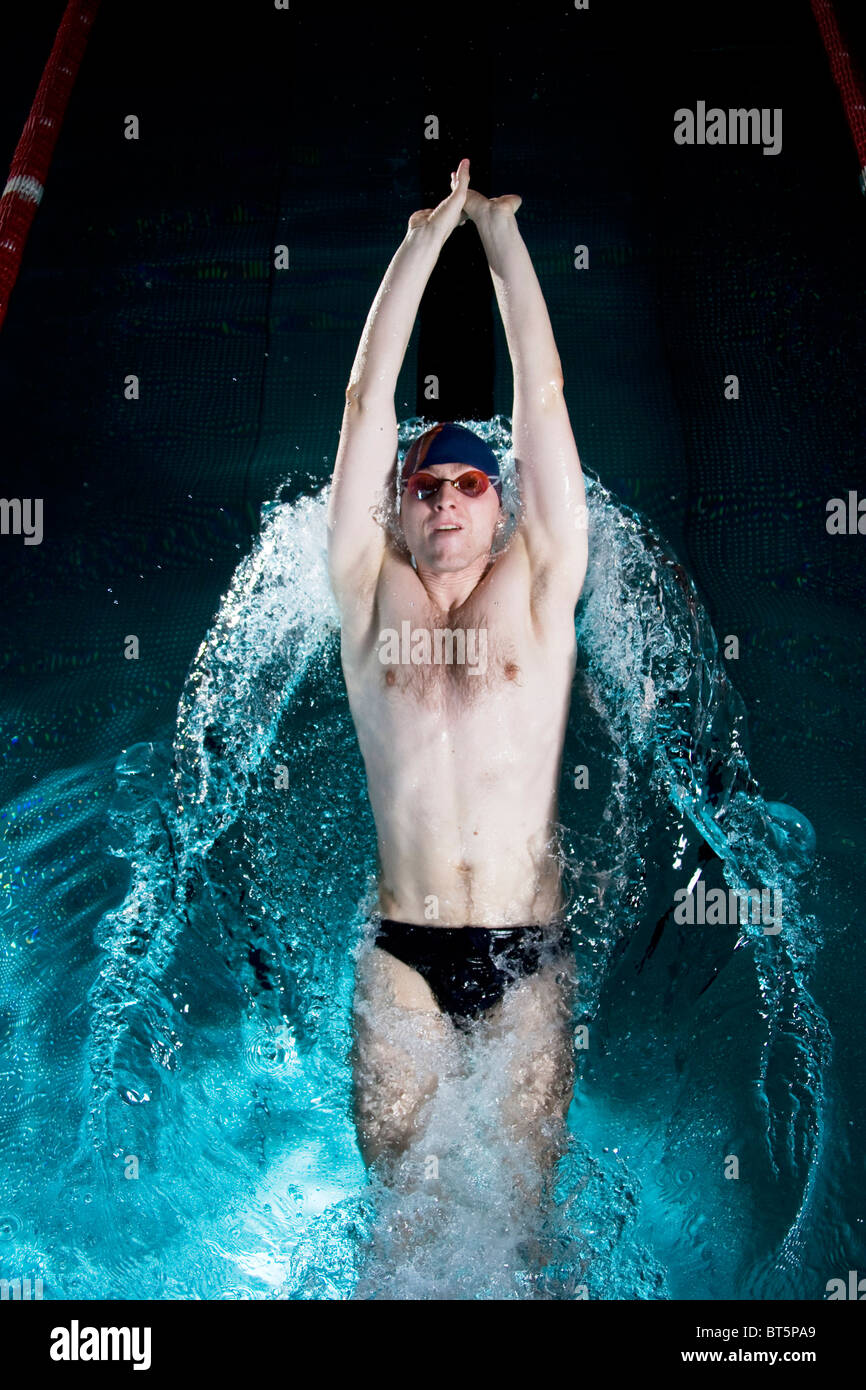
column 449, row 526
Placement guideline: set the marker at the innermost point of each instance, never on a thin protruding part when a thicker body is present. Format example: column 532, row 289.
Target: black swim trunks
column 468, row 969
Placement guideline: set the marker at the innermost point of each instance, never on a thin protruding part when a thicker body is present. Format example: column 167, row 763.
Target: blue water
column 179, row 928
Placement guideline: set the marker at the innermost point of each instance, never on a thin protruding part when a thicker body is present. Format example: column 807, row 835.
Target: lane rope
column 847, row 77
column 28, row 171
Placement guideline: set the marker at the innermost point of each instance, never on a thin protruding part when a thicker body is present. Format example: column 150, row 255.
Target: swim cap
column 448, row 443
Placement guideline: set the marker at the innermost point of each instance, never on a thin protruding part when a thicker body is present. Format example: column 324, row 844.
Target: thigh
column 533, row 1025
column 386, row 982
column 401, row 1044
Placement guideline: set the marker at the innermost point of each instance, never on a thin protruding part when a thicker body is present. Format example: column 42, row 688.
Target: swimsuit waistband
column 537, row 929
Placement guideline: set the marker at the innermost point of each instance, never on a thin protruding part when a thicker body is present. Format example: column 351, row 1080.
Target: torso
column 462, row 768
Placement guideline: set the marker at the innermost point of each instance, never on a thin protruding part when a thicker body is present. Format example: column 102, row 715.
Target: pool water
column 181, row 921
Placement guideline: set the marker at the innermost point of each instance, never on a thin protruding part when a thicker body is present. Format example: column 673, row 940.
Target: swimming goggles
column 472, row 483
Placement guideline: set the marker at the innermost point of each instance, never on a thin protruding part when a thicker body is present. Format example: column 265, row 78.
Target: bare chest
column 448, row 662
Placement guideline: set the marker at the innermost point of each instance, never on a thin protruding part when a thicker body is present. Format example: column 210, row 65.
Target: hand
column 477, row 208
column 449, row 213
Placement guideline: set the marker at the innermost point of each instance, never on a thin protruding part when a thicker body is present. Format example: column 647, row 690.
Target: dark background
column 305, row 127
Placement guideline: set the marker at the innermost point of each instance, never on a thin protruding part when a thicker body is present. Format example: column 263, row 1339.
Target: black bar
column 178, row 1340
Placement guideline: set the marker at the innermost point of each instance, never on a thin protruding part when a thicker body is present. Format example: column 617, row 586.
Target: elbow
column 550, row 393
column 358, row 398
column 539, row 390
column 369, row 395
column 556, row 383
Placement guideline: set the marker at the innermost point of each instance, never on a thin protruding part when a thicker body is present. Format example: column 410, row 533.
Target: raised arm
column 551, row 479
column 368, row 437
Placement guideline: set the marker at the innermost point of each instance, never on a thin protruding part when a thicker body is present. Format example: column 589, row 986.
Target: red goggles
column 472, row 483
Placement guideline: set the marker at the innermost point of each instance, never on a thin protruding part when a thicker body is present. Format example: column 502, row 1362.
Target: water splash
column 220, row 1020
column 676, row 720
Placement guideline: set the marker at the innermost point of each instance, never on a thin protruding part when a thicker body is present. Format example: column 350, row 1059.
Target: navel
column 511, row 670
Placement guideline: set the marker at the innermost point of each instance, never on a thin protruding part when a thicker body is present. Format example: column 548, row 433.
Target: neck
column 451, row 590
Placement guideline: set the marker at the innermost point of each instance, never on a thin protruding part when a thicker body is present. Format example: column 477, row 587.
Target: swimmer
column 462, row 756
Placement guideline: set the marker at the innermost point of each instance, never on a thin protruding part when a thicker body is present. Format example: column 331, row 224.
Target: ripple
column 10, row 1225
column 271, row 1052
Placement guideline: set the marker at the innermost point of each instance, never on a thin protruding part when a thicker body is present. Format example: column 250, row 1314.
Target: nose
column 446, row 496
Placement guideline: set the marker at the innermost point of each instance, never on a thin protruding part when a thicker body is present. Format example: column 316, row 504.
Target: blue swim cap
column 448, row 443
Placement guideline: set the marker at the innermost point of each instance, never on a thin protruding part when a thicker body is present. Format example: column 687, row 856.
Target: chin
column 450, row 564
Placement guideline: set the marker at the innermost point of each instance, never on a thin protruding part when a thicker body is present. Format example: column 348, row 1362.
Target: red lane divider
column 29, row 169
column 846, row 76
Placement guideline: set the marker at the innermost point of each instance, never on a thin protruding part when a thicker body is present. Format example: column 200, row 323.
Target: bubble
column 790, row 830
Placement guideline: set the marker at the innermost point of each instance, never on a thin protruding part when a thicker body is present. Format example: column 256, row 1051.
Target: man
column 462, row 754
